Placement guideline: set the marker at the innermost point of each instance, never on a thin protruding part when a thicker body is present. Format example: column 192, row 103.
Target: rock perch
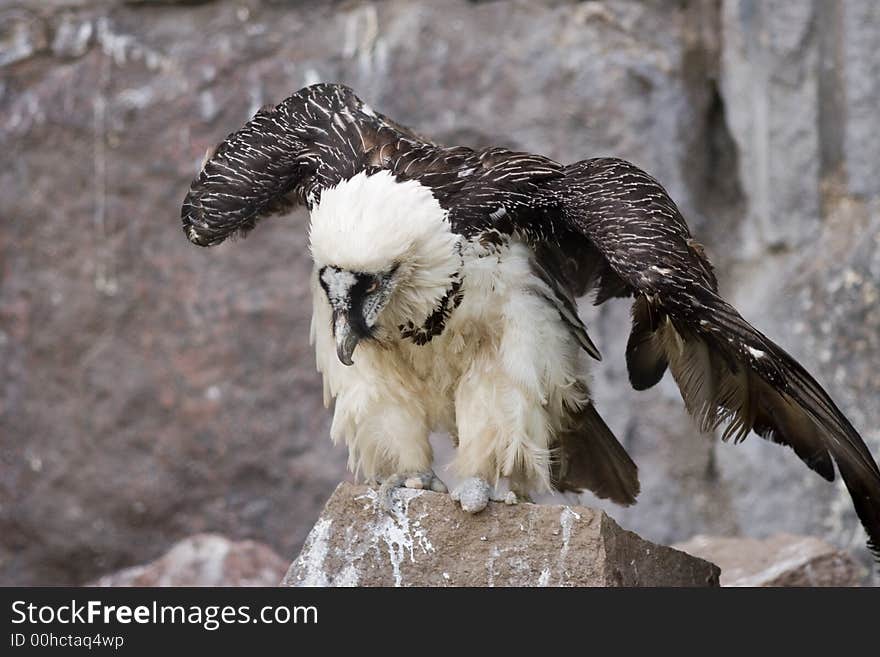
column 430, row 541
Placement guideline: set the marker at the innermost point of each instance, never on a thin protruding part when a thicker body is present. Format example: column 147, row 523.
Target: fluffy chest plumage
column 502, row 316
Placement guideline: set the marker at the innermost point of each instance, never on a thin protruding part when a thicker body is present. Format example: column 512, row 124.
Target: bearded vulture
column 444, row 299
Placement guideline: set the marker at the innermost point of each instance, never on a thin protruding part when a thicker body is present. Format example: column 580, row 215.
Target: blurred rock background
column 150, row 390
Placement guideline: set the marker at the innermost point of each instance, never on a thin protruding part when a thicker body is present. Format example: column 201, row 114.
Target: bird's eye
column 373, row 286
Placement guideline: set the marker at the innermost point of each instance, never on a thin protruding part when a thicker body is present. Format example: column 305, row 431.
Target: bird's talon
column 416, row 480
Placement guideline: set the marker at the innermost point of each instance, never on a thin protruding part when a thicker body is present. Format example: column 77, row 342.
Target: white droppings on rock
column 490, row 565
column 544, row 577
column 399, row 536
column 314, row 553
column 348, row 577
column 566, row 521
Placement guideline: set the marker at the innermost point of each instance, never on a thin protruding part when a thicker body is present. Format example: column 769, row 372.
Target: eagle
column 445, row 287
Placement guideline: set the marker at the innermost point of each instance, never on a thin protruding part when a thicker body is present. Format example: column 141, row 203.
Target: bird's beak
column 346, row 340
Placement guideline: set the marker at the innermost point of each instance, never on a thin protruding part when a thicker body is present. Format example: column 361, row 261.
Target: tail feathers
column 591, row 458
column 728, row 372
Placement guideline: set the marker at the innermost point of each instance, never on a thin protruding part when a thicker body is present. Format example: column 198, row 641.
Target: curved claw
column 417, row 480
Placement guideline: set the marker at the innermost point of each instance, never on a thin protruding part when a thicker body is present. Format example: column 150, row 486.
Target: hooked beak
column 346, row 340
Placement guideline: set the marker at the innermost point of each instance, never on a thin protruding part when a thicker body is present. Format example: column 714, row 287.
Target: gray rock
column 859, row 41
column 770, row 85
column 781, row 560
column 205, row 560
column 430, row 541
column 22, row 36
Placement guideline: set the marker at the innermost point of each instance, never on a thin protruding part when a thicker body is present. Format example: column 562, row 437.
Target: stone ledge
column 430, row 541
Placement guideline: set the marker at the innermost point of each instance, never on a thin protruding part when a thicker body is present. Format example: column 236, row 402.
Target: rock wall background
column 150, row 390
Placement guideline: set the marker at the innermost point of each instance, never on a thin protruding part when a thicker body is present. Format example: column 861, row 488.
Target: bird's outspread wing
column 286, row 154
column 728, row 371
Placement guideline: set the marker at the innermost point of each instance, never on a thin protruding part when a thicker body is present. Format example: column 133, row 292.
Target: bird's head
column 384, row 254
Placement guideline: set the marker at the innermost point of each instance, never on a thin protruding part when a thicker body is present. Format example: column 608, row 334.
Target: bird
column 445, row 287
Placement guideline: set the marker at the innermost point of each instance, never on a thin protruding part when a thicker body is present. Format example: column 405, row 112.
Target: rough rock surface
column 150, row 390
column 205, row 560
column 781, row 560
column 429, row 541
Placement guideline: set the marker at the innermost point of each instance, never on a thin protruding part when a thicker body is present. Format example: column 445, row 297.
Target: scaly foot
column 426, row 480
column 475, row 493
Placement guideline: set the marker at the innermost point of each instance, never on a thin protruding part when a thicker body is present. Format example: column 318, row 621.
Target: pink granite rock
column 781, row 560
column 205, row 560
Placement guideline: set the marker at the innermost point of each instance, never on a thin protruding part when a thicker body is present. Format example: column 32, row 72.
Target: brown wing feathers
column 286, row 155
column 729, row 373
column 757, row 386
